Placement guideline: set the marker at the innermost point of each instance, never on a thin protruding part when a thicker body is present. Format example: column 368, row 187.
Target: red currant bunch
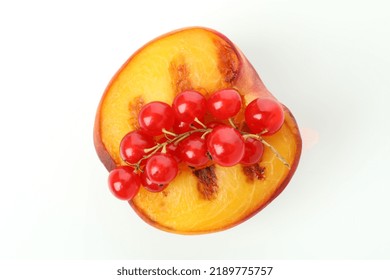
column 196, row 132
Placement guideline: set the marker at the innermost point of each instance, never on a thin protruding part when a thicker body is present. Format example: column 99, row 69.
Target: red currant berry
column 133, row 144
column 193, row 150
column 225, row 145
column 264, row 115
column 161, row 168
column 180, row 127
column 174, row 151
column 189, row 105
column 253, row 151
column 154, row 117
column 152, row 187
column 224, row 104
column 123, row 182
column 214, row 124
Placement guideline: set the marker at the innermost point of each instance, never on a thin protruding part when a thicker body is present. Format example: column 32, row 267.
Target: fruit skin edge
column 259, row 90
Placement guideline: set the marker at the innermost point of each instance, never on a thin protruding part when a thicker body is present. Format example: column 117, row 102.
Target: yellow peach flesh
column 191, row 59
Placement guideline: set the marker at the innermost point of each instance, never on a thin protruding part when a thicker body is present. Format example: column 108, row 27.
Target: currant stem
column 279, row 156
column 199, row 122
column 232, row 123
column 272, row 148
column 146, row 151
column 182, row 137
column 168, row 132
column 152, row 151
column 136, row 166
column 163, row 146
column 205, row 133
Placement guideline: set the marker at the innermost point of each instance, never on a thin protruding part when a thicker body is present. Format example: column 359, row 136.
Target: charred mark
column 254, row 172
column 134, row 107
column 207, row 182
column 228, row 62
column 180, row 75
column 165, row 193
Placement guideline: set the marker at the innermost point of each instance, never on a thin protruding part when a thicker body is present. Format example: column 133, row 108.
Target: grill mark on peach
column 134, row 107
column 207, row 182
column 180, row 75
column 253, row 172
column 227, row 62
column 165, row 193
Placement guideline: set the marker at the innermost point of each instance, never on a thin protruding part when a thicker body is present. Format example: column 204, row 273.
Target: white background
column 328, row 61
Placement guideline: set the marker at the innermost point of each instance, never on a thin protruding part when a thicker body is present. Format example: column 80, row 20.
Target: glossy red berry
column 264, row 115
column 161, row 168
column 174, row 151
column 224, row 104
column 253, row 151
column 154, row 117
column 225, row 145
column 189, row 105
column 149, row 185
column 133, row 144
column 214, row 124
column 180, row 127
column 123, row 182
column 193, row 150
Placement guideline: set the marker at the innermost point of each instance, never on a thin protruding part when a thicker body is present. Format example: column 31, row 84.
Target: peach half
column 213, row 198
